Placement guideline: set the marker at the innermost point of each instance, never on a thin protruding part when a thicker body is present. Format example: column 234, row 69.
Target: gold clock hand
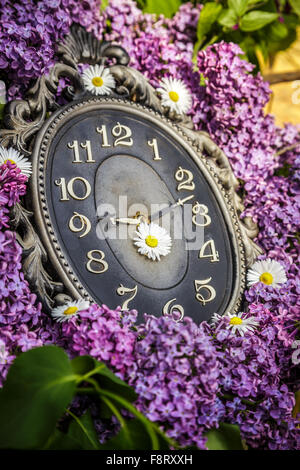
column 125, row 220
column 164, row 211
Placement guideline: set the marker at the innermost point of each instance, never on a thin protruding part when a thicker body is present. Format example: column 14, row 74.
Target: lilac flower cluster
column 12, row 186
column 103, row 334
column 175, row 374
column 188, row 378
column 29, row 31
column 19, row 311
column 250, row 382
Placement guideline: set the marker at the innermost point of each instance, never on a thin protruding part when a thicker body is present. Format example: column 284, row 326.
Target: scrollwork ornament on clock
column 128, row 205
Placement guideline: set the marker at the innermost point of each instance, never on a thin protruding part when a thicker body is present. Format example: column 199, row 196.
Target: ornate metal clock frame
column 44, row 263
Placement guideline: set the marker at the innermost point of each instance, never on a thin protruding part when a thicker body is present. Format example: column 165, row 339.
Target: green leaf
column 277, row 31
column 228, row 18
column 161, row 7
column 103, row 6
column 202, row 80
column 296, row 6
column 134, row 437
column 81, row 435
column 226, row 437
column 109, row 381
column 275, row 46
column 2, row 106
column 208, row 15
column 239, row 6
column 256, row 19
column 40, row 384
column 86, row 366
column 291, row 21
column 82, row 365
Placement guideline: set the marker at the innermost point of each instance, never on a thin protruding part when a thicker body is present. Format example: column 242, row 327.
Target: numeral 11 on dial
column 75, row 147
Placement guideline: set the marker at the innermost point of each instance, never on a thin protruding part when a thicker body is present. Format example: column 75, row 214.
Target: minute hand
column 164, row 211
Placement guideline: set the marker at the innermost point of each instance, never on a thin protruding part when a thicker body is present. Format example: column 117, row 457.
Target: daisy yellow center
column 173, row 95
column 151, row 241
column 11, row 161
column 97, row 81
column 266, row 278
column 70, row 310
column 236, row 321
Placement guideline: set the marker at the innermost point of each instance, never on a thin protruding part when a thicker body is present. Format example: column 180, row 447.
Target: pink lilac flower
column 188, row 378
column 175, row 374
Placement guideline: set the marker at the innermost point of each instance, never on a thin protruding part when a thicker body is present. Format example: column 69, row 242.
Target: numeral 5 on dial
column 202, row 287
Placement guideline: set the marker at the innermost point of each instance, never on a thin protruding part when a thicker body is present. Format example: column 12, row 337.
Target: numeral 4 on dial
column 212, row 254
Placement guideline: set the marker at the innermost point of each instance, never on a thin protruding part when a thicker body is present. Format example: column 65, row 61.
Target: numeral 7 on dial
column 121, row 290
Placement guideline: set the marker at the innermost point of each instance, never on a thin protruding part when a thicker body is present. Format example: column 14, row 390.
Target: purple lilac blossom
column 249, row 381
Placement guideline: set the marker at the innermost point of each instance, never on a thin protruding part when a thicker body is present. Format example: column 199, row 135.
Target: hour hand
column 125, row 220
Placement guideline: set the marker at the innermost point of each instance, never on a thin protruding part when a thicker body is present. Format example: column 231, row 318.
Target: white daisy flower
column 268, row 271
column 152, row 240
column 215, row 318
column 65, row 312
column 13, row 156
column 241, row 325
column 175, row 95
column 98, row 80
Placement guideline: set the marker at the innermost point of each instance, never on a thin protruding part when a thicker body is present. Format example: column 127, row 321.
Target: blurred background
column 285, row 100
column 267, row 31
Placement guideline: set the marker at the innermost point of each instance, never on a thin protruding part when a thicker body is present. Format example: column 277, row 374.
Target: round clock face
column 131, row 215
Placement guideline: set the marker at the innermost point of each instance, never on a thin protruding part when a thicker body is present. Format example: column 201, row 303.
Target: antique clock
column 107, row 169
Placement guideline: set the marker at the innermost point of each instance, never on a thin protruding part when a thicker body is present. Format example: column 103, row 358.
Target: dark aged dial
column 105, row 168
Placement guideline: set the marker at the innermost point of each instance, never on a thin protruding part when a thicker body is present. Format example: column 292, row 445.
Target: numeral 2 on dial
column 186, row 177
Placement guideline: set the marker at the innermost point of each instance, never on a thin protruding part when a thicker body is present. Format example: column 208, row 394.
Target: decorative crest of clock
column 94, row 154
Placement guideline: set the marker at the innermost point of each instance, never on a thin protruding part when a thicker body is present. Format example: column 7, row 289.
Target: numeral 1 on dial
column 102, row 130
column 153, row 143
